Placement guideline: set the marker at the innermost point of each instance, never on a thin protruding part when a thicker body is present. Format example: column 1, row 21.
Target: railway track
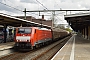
column 44, row 53
column 48, row 54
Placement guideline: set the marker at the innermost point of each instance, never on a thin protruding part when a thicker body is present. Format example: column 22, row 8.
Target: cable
column 11, row 6
column 21, row 10
column 45, row 7
column 15, row 8
column 42, row 4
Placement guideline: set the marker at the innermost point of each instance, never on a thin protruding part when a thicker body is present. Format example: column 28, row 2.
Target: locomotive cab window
column 24, row 30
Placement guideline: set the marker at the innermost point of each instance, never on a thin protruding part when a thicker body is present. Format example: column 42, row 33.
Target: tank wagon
column 31, row 37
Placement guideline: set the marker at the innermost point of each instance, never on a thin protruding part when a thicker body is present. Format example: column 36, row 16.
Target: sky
column 15, row 7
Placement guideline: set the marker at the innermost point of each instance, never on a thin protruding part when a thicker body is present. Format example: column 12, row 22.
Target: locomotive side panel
column 35, row 37
column 43, row 36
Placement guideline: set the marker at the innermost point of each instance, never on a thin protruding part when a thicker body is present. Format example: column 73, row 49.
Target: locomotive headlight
column 17, row 40
column 20, row 40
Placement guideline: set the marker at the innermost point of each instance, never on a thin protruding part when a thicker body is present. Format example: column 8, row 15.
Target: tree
column 68, row 29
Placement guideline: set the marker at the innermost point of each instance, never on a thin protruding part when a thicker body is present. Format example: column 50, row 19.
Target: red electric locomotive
column 29, row 37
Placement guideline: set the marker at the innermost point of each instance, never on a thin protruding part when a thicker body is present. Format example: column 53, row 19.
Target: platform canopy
column 78, row 21
column 16, row 22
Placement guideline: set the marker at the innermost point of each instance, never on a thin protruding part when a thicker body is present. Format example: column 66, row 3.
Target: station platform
column 77, row 48
column 7, row 45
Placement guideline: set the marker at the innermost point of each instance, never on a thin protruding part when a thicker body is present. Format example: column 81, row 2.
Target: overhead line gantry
column 53, row 14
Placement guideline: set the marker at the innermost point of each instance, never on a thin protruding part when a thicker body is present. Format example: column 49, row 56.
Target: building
column 33, row 19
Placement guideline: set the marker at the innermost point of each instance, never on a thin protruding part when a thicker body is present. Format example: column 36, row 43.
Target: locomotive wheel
column 32, row 47
column 43, row 43
column 36, row 46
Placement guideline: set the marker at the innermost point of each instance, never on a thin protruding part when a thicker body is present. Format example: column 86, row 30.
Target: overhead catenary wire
column 14, row 8
column 47, row 9
column 11, row 7
column 21, row 10
column 42, row 4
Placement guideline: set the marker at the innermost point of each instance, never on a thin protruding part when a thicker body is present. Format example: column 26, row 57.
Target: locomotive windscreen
column 24, row 30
